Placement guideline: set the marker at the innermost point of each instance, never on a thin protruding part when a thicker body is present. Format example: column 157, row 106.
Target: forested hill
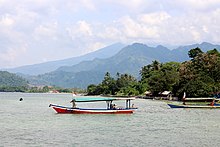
column 11, row 80
column 198, row 77
column 129, row 60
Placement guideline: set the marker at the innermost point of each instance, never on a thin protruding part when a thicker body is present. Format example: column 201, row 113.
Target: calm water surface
column 32, row 123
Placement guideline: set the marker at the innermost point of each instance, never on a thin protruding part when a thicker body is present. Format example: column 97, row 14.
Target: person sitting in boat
column 114, row 106
column 133, row 106
column 212, row 103
column 111, row 106
column 74, row 103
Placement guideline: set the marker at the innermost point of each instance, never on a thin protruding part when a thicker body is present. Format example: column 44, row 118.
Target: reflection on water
column 32, row 123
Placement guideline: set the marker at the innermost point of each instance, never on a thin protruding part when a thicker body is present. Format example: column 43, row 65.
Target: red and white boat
column 110, row 109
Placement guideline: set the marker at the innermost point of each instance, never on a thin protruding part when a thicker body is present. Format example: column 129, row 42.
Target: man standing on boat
column 74, row 103
column 184, row 98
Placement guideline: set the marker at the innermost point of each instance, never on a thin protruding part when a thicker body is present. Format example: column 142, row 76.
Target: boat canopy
column 94, row 99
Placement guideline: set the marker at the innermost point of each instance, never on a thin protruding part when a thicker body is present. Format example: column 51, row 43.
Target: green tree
column 94, row 89
column 127, row 85
column 108, row 84
column 194, row 52
column 160, row 77
column 201, row 76
column 45, row 89
column 156, row 65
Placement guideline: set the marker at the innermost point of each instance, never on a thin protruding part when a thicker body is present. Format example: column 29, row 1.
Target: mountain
column 46, row 67
column 181, row 53
column 129, row 60
column 11, row 80
column 137, row 53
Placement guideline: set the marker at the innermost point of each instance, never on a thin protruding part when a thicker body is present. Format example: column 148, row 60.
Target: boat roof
column 94, row 99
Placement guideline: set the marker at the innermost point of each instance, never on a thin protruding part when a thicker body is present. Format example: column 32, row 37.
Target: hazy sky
column 35, row 31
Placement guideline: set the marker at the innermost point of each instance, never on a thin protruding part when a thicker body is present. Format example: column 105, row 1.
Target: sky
column 36, row 31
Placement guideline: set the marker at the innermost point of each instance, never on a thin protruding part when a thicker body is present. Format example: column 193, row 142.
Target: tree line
column 10, row 82
column 198, row 77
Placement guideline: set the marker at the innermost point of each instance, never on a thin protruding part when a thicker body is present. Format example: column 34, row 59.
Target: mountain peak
column 139, row 44
column 161, row 47
column 206, row 43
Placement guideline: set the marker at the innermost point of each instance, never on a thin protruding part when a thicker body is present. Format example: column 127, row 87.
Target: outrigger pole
column 128, row 103
column 109, row 103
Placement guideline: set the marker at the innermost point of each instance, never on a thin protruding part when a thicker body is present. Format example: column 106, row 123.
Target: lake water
column 32, row 123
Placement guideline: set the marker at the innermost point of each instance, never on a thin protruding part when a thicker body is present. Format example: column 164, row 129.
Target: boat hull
column 69, row 110
column 193, row 106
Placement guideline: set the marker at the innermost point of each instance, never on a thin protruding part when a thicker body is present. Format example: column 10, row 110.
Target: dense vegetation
column 10, row 79
column 52, row 89
column 124, row 84
column 198, row 77
column 12, row 82
column 201, row 75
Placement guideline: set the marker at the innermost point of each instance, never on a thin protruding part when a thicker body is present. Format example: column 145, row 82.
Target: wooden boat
column 193, row 106
column 197, row 103
column 110, row 109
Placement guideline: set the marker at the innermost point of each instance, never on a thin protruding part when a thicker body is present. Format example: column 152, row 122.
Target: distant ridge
column 181, row 53
column 53, row 65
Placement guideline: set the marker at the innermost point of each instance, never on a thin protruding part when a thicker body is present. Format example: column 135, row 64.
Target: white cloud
column 154, row 18
column 134, row 29
column 80, row 29
column 46, row 30
column 11, row 55
column 201, row 4
column 110, row 32
column 205, row 29
column 6, row 20
column 84, row 28
column 132, row 4
column 88, row 4
column 71, row 28
column 94, row 46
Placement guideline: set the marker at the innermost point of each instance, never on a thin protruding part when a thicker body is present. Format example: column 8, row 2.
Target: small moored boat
column 194, row 106
column 110, row 109
column 197, row 103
